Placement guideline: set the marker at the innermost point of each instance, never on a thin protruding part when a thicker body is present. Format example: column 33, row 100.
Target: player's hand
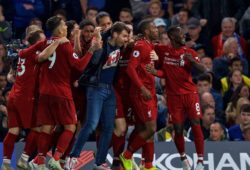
column 150, row 69
column 153, row 56
column 77, row 33
column 189, row 57
column 97, row 33
column 63, row 40
column 96, row 44
column 146, row 93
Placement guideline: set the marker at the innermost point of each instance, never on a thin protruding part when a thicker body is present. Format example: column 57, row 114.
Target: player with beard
column 176, row 62
column 144, row 103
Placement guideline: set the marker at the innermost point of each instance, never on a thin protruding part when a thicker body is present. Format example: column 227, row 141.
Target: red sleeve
column 39, row 46
column 194, row 55
column 134, row 62
column 79, row 64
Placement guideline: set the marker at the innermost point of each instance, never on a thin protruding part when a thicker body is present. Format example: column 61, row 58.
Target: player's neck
column 176, row 45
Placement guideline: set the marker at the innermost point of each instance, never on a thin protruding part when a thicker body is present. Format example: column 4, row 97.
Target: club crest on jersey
column 75, row 56
column 136, row 54
column 182, row 61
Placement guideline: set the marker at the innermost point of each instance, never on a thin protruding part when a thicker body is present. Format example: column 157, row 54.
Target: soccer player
column 56, row 106
column 101, row 104
column 21, row 115
column 144, row 97
column 123, row 116
column 176, row 62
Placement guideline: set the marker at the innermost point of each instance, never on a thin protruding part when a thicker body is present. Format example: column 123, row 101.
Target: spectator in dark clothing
column 235, row 132
column 204, row 84
column 5, row 28
column 91, row 14
column 25, row 10
column 197, row 37
column 208, row 117
column 220, row 65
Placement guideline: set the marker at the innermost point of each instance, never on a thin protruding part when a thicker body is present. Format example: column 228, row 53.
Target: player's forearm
column 77, row 46
column 134, row 76
column 199, row 66
column 48, row 51
column 83, row 62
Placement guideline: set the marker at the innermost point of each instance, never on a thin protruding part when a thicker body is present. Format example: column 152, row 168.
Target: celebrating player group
column 113, row 77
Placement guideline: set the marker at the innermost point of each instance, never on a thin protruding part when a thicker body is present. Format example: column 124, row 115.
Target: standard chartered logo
column 226, row 161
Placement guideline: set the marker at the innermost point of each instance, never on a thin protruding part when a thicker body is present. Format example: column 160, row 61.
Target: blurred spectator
column 37, row 22
column 245, row 24
column 161, row 25
column 126, row 15
column 103, row 20
column 3, row 81
column 207, row 98
column 215, row 10
column 181, row 19
column 3, row 122
column 197, row 37
column 217, row 132
column 164, row 39
column 208, row 117
column 235, row 64
column 71, row 30
column 5, row 28
column 246, row 132
column 61, row 13
column 233, row 115
column 235, row 132
column 25, row 11
column 98, row 4
column 3, row 51
column 155, row 9
column 204, row 84
column 91, row 14
column 228, row 30
column 207, row 63
column 221, row 65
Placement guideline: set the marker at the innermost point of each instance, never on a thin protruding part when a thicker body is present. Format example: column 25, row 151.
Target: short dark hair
column 143, row 25
column 245, row 108
column 235, row 59
column 34, row 36
column 86, row 22
column 185, row 10
column 118, row 27
column 100, row 15
column 128, row 10
column 91, row 8
column 70, row 26
column 173, row 30
column 53, row 22
column 204, row 77
column 205, row 107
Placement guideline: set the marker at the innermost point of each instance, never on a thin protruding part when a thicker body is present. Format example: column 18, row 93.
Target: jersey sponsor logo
column 136, row 54
column 21, row 66
column 113, row 59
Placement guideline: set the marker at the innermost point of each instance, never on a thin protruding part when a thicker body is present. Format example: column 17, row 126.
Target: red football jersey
column 176, row 69
column 27, row 72
column 140, row 57
column 123, row 81
column 55, row 73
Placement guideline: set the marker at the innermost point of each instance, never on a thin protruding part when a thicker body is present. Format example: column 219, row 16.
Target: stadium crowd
column 217, row 30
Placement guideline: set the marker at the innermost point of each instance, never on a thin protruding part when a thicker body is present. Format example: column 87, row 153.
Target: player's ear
column 115, row 35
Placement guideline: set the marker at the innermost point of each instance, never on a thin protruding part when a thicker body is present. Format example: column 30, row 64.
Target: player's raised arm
column 48, row 51
column 194, row 60
column 81, row 64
